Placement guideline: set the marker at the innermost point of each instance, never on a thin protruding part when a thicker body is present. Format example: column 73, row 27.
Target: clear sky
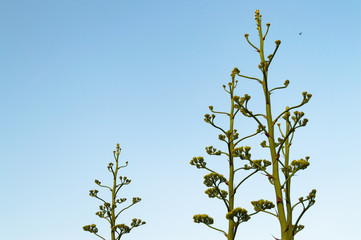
column 77, row 77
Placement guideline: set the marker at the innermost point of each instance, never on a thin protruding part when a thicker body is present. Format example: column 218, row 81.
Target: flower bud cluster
column 136, row 199
column 93, row 193
column 262, row 205
column 242, row 152
column 242, row 104
column 263, row 65
column 222, row 137
column 286, row 115
column 240, row 101
column 208, row 119
column 110, row 167
column 101, row 213
column 124, row 180
column 203, row 218
column 137, row 222
column 299, row 164
column 118, row 148
column 306, row 97
column 264, row 144
column 261, row 128
column 297, row 115
column 298, row 228
column 311, row 197
column 230, row 136
column 211, row 179
column 198, row 162
column 213, row 151
column 279, row 141
column 257, row 16
column 122, row 228
column 257, row 164
column 240, row 214
column 121, row 200
column 296, row 165
column 91, row 228
column 216, row 193
column 235, row 71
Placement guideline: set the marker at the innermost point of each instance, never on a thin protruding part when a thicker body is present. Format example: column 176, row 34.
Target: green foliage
column 107, row 209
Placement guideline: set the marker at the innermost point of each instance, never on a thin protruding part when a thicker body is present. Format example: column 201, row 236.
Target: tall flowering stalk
column 234, row 215
column 107, row 210
column 284, row 213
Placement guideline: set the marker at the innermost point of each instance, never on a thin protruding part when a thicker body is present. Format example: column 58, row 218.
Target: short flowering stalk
column 282, row 144
column 107, row 210
column 234, row 215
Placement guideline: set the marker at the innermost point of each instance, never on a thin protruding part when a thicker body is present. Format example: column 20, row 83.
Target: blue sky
column 77, row 77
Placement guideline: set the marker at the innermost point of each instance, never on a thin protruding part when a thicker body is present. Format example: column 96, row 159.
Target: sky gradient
column 78, row 77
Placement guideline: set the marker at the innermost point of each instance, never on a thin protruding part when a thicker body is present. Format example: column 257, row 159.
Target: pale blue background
column 79, row 76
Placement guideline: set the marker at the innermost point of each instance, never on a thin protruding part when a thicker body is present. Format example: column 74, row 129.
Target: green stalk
column 231, row 233
column 115, row 174
column 270, row 134
column 288, row 184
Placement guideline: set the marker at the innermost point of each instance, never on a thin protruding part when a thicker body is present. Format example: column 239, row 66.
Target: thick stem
column 231, row 232
column 270, row 135
column 275, row 169
column 112, row 220
column 288, row 184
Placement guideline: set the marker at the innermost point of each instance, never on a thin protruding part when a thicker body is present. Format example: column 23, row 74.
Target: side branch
column 225, row 200
column 208, row 120
column 306, row 98
column 278, row 42
column 124, row 209
column 246, row 36
column 211, row 108
column 285, row 85
column 268, row 25
column 216, row 229
column 246, row 138
column 99, row 236
column 234, row 192
column 250, row 78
